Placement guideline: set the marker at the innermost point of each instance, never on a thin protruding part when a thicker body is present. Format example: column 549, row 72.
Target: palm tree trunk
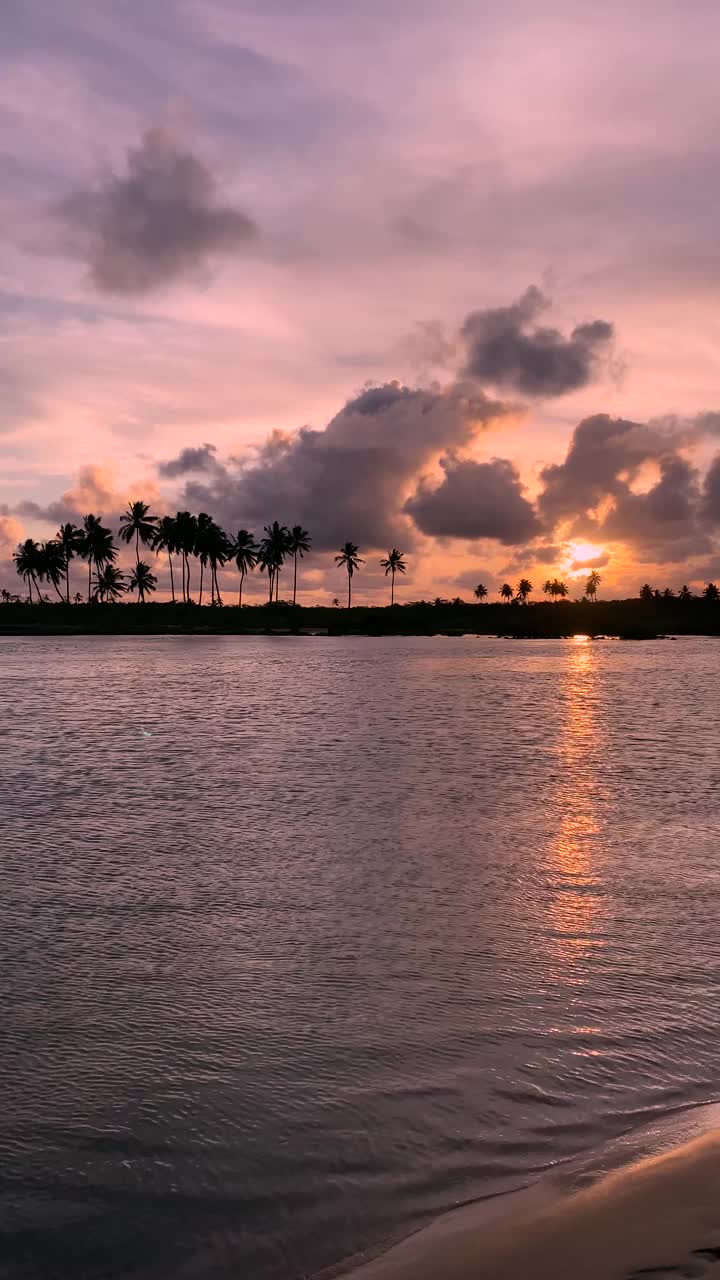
column 89, row 576
column 202, row 568
column 137, row 546
column 67, row 581
column 349, row 589
column 242, row 575
column 392, row 588
column 277, row 583
column 272, row 584
column 29, row 583
column 187, row 558
column 295, row 579
column 172, row 579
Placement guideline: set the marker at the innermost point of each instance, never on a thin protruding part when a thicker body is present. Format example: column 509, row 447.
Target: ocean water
column 305, row 941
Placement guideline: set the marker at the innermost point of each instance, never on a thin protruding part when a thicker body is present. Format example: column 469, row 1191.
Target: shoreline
column 656, row 1216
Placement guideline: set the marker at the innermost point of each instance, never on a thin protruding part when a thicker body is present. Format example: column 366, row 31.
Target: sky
column 434, row 275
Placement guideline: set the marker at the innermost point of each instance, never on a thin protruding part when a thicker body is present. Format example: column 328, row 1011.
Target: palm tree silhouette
column 506, row 592
column 142, row 581
column 394, row 564
column 592, row 585
column 27, row 563
column 297, row 544
column 523, row 590
column 560, row 588
column 165, row 539
column 110, row 583
column 98, row 547
column 71, row 541
column 77, row 598
column 273, row 549
column 711, row 593
column 244, row 551
column 549, row 587
column 350, row 559
column 685, row 593
column 52, row 565
column 186, row 528
column 137, row 524
column 218, row 551
column 480, row 592
column 646, row 592
column 201, row 549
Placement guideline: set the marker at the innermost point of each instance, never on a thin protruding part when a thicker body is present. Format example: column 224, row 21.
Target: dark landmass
column 630, row 619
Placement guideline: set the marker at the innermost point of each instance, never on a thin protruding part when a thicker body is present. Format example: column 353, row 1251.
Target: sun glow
column 580, row 556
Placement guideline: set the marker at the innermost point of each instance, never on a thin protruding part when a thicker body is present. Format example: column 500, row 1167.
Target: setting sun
column 580, row 556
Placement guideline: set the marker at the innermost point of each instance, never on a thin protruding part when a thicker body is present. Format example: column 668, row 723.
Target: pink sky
column 224, row 219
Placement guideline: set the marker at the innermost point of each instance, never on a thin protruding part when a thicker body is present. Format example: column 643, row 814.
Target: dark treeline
column 196, row 548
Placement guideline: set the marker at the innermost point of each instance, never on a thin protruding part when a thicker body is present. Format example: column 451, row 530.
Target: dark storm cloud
column 201, row 458
column 156, row 223
column 475, row 500
column 348, row 480
column 601, row 451
column 504, row 347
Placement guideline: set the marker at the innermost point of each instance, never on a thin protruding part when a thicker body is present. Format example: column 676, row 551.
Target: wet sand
column 657, row 1219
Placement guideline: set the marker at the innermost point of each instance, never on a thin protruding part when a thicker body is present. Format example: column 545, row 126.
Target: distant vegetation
column 196, row 548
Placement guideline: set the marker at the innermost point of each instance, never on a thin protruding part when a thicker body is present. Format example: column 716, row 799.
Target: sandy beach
column 658, row 1218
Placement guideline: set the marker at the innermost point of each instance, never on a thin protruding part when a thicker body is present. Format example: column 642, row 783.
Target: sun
column 581, row 555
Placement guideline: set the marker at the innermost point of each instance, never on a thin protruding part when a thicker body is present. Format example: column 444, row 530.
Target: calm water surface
column 307, row 940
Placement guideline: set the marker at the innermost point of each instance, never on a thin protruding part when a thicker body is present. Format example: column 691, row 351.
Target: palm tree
column 98, row 547
column 711, row 593
column 244, row 551
column 273, row 549
column 561, row 589
column 142, row 581
column 297, row 544
column 592, row 585
column 137, row 524
column 506, row 592
column 71, row 541
column 523, row 590
column 52, row 565
column 549, row 587
column 110, row 583
column 685, row 593
column 165, row 539
column 218, row 550
column 394, row 564
column 480, row 592
column 77, row 598
column 186, row 530
column 202, row 538
column 646, row 592
column 5, row 595
column 27, row 564
column 350, row 559
column 668, row 594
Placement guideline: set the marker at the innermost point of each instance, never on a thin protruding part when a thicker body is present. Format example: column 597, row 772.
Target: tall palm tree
column 98, row 547
column 351, row 560
column 297, row 544
column 507, row 592
column 52, row 565
column 202, row 540
column 394, row 564
column 523, row 590
column 592, row 584
column 646, row 592
column 165, row 539
column 71, row 541
column 138, row 525
column 218, row 551
column 711, row 593
column 244, row 551
column 109, row 583
column 142, row 581
column 560, row 589
column 27, row 564
column 186, row 527
column 273, row 549
column 480, row 592
column 549, row 587
column 685, row 593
